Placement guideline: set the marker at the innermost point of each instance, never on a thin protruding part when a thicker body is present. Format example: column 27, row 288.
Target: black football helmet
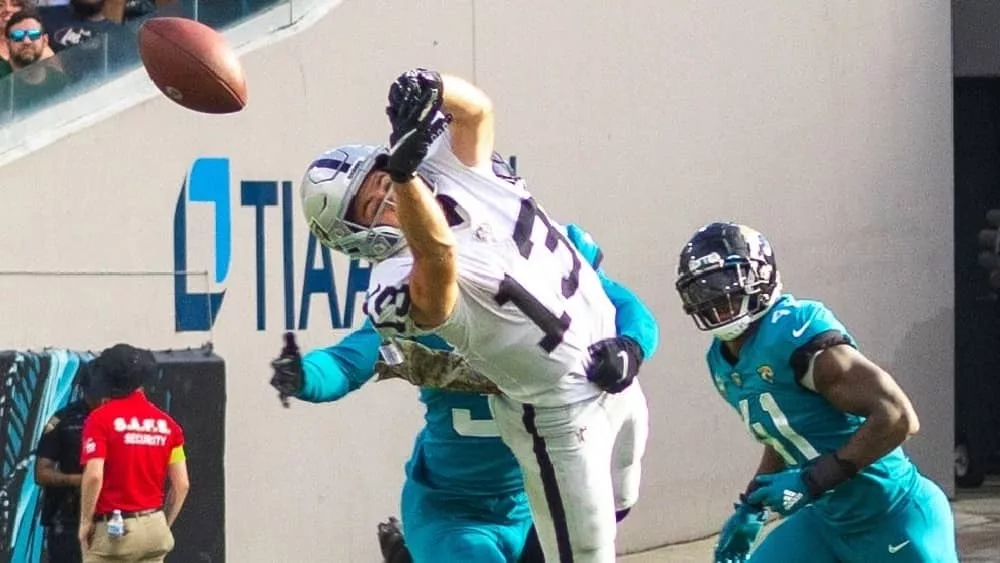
column 727, row 278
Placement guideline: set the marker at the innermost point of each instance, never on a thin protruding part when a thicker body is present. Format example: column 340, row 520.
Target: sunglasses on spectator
column 18, row 35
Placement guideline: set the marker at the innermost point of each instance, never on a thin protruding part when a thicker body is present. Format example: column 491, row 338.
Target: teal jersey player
column 463, row 498
column 831, row 421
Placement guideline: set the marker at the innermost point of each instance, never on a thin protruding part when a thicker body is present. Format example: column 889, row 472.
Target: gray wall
column 825, row 125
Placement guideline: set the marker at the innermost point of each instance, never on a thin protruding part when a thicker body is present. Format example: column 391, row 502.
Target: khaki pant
column 147, row 539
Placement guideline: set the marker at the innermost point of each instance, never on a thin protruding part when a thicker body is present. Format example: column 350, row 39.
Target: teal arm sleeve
column 331, row 373
column 632, row 317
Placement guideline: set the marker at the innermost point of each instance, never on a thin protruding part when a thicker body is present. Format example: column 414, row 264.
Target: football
column 193, row 65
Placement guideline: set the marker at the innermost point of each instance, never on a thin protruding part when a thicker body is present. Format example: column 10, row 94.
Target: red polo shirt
column 137, row 441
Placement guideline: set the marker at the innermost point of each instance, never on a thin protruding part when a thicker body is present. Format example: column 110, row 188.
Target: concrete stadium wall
column 828, row 127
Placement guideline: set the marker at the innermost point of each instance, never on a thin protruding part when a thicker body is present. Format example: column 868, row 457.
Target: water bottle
column 116, row 524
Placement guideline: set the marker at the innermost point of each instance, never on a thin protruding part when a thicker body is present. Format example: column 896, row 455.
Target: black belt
column 107, row 515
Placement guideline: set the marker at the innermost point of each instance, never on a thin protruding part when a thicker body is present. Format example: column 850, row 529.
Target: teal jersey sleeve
column 585, row 245
column 632, row 317
column 801, row 328
column 331, row 373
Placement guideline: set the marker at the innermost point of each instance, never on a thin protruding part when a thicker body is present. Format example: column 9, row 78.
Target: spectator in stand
column 37, row 73
column 79, row 22
column 7, row 9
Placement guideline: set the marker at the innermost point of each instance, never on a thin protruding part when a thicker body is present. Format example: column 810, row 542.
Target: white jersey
column 529, row 304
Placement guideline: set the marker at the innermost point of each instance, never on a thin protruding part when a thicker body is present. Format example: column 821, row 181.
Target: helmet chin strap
column 735, row 329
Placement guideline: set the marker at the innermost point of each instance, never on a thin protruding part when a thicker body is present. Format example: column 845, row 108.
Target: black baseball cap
column 120, row 370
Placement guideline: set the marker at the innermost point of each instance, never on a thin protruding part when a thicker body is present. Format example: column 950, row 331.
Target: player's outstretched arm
column 331, row 373
column 854, row 384
column 472, row 128
column 433, row 280
column 432, row 283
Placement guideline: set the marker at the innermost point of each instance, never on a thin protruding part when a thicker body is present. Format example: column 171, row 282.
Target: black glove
column 288, row 378
column 414, row 101
column 614, row 363
column 407, row 90
column 411, row 148
column 390, row 539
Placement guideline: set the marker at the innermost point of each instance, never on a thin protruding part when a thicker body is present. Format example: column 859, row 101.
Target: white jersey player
column 482, row 266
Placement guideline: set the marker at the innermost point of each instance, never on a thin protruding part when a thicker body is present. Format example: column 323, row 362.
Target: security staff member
column 130, row 447
column 58, row 472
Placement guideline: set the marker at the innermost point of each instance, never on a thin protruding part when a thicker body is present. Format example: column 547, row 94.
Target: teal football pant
column 921, row 529
column 444, row 527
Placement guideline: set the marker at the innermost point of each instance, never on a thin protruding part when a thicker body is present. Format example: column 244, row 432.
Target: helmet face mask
column 328, row 190
column 727, row 279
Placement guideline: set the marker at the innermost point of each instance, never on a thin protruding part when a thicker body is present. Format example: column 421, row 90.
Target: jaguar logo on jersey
column 208, row 182
column 766, row 373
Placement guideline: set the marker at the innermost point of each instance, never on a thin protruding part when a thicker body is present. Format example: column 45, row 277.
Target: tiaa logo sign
column 209, row 183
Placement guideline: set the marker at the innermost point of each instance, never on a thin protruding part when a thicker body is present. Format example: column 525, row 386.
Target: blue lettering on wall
column 209, row 182
column 318, row 280
column 258, row 195
column 286, row 248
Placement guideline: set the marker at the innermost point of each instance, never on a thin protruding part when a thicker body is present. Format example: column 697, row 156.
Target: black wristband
column 634, row 347
column 827, row 472
column 399, row 177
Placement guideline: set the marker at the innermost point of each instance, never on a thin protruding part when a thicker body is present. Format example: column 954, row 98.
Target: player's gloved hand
column 407, row 90
column 739, row 533
column 418, row 125
column 390, row 540
column 288, row 373
column 789, row 490
column 614, row 363
column 783, row 492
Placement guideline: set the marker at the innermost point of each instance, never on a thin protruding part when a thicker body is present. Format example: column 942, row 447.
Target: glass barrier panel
column 83, row 67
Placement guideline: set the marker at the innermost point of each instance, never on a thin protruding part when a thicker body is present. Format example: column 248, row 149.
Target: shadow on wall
column 190, row 385
column 923, row 365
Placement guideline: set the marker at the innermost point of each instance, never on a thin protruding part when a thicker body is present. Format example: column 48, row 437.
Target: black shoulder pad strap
column 803, row 354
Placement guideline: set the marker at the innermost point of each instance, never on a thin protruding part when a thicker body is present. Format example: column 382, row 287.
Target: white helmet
column 330, row 184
